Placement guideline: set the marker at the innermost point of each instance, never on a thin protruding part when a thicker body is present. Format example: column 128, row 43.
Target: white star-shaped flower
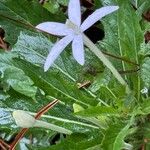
column 72, row 31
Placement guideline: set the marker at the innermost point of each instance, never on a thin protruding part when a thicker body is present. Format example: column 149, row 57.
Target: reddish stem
column 45, row 109
column 2, row 44
column 37, row 116
column 3, row 145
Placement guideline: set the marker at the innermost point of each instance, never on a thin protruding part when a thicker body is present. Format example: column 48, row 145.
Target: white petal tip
column 46, row 68
column 48, row 63
column 81, row 62
column 116, row 7
column 38, row 27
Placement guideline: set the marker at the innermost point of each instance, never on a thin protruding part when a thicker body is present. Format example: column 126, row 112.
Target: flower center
column 74, row 27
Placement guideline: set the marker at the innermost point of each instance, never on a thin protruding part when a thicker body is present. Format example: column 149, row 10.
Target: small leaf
column 97, row 111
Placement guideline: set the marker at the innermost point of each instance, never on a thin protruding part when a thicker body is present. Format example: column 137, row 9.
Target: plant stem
column 102, row 57
column 120, row 58
column 37, row 116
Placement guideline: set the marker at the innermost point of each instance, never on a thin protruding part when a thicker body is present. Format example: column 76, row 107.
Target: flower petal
column 56, row 50
column 97, row 15
column 78, row 49
column 74, row 12
column 54, row 28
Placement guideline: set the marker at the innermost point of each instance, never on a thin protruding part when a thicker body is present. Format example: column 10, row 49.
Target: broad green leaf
column 123, row 37
column 123, row 32
column 5, row 117
column 97, row 111
column 55, row 85
column 77, row 141
column 16, row 16
column 34, row 48
column 125, row 25
column 102, row 120
column 59, row 115
column 115, row 135
column 14, row 77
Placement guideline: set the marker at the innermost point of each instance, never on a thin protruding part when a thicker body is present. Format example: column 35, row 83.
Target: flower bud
column 23, row 119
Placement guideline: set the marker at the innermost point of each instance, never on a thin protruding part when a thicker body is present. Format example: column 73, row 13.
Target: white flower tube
column 25, row 120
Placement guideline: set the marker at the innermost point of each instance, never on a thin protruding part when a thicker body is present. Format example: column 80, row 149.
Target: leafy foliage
column 12, row 76
column 22, row 16
column 54, row 6
column 101, row 116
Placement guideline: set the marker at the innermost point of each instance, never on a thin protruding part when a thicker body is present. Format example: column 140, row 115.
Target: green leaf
column 51, row 6
column 145, row 49
column 97, row 111
column 63, row 2
column 146, row 133
column 101, row 80
column 59, row 115
column 123, row 37
column 77, row 141
column 54, row 5
column 145, row 107
column 16, row 16
column 115, row 134
column 15, row 77
column 63, row 74
column 123, row 32
column 55, row 85
column 35, row 48
column 142, row 6
column 145, row 72
column 102, row 120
